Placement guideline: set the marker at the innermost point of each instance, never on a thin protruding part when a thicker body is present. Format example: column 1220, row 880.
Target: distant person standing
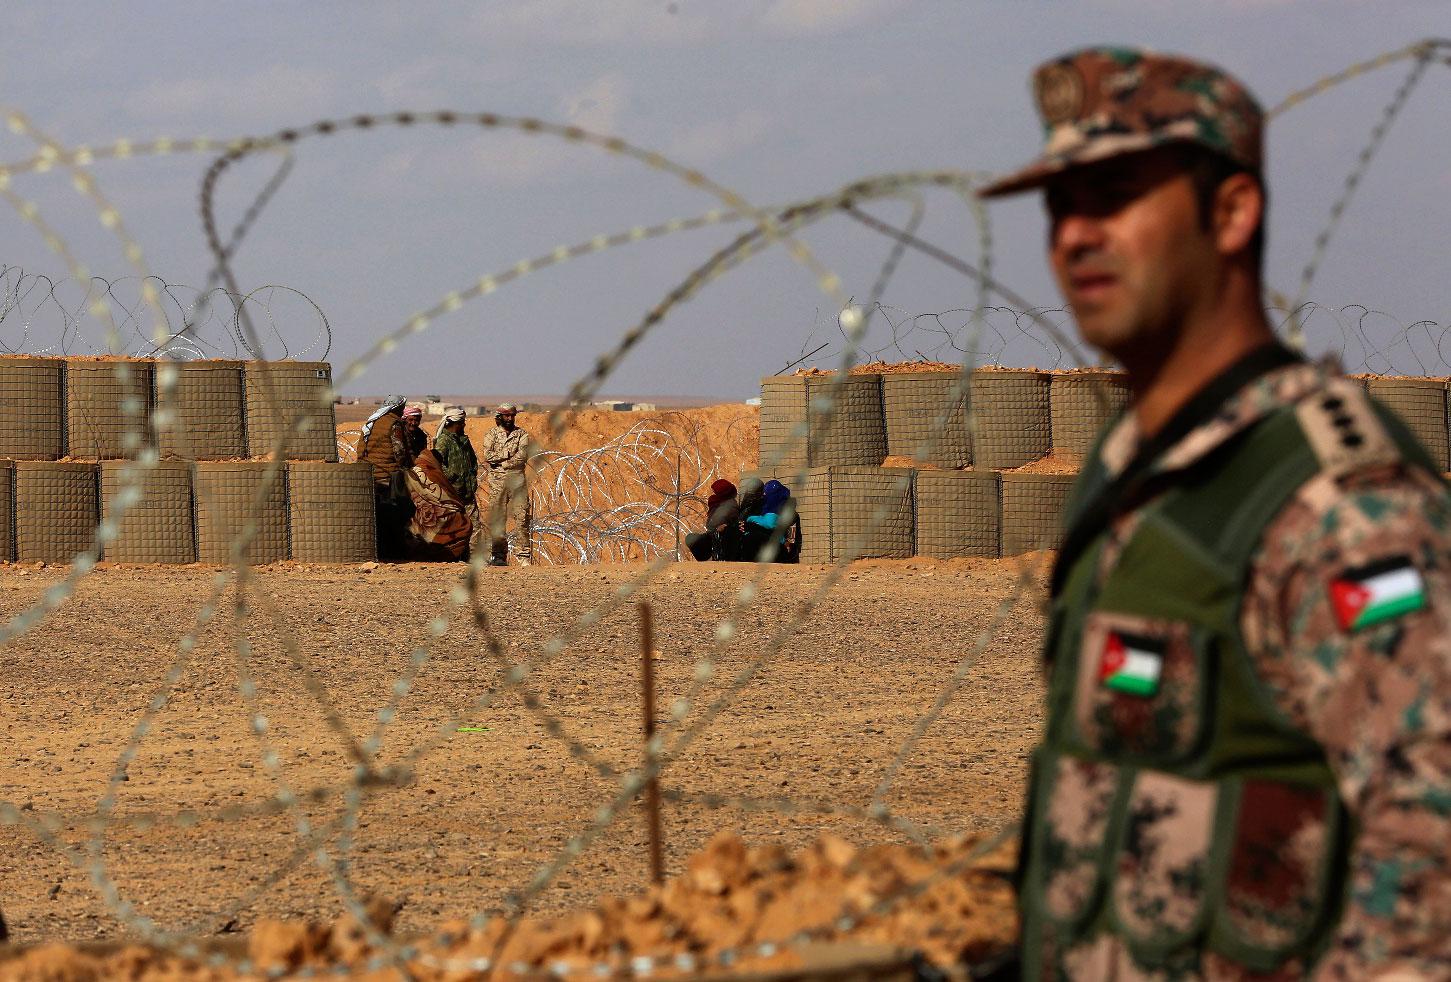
column 385, row 445
column 461, row 465
column 507, row 449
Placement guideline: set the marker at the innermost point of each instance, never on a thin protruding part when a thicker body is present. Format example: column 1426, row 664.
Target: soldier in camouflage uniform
column 507, row 450
column 1246, row 768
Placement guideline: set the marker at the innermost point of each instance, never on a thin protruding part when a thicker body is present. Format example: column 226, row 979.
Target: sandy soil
column 821, row 721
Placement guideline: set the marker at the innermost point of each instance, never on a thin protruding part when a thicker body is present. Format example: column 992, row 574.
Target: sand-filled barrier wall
column 108, row 407
column 331, row 512
column 32, row 408
column 281, row 392
column 1081, row 403
column 855, row 433
column 1032, row 514
column 207, row 411
column 157, row 528
column 1012, row 422
column 7, row 511
column 851, row 512
column 1421, row 402
column 225, row 495
column 927, row 410
column 57, row 507
column 958, row 514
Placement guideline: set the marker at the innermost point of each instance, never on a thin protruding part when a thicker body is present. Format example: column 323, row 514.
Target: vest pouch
column 1069, row 837
column 1142, row 689
column 1279, row 886
column 1163, row 866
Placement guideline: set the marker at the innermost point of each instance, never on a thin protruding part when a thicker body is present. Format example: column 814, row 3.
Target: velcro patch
column 1378, row 592
column 1131, row 664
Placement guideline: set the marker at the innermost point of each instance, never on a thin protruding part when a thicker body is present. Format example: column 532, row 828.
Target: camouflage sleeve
column 1347, row 613
column 491, row 448
column 398, row 438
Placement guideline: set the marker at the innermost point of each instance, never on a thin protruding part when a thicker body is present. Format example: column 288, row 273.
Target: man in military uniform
column 461, row 466
column 1246, row 768
column 507, row 450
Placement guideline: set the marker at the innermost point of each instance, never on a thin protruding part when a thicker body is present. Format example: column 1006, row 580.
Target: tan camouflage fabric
column 506, row 454
column 506, row 450
column 1098, row 103
column 1075, row 828
column 1378, row 699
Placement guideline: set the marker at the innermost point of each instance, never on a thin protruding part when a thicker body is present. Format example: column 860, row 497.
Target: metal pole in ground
column 652, row 787
column 677, row 504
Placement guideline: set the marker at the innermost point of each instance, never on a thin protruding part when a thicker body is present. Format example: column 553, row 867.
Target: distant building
column 753, row 401
column 642, row 407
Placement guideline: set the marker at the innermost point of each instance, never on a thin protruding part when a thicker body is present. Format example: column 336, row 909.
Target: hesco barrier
column 224, row 494
column 1421, row 402
column 57, row 507
column 32, row 408
column 958, row 514
column 1081, row 403
column 813, row 504
column 856, row 433
column 913, row 403
column 783, row 408
column 207, row 411
column 839, row 517
column 277, row 392
column 97, row 398
column 7, row 511
column 1012, row 423
column 1033, row 510
column 158, row 527
column 331, row 512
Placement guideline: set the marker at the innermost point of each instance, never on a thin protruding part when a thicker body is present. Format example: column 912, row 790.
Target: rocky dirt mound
column 731, row 898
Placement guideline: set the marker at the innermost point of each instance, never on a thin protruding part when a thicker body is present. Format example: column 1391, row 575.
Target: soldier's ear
column 1239, row 208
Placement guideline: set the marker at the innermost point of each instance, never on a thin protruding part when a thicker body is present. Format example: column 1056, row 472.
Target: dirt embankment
column 945, row 902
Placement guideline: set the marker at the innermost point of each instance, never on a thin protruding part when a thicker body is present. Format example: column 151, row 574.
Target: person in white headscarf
column 384, row 444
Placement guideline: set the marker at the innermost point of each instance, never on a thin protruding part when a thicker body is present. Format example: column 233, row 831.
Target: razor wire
column 1362, row 340
column 59, row 317
column 686, row 727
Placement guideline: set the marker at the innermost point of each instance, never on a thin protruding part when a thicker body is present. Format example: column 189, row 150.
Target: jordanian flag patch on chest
column 1131, row 663
column 1378, row 592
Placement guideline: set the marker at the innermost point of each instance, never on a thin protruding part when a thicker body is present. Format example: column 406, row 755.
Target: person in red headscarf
column 721, row 538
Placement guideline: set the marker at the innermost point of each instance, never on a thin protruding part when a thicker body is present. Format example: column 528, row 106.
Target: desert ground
column 820, row 721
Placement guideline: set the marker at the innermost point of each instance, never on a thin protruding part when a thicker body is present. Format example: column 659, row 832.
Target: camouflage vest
column 1172, row 805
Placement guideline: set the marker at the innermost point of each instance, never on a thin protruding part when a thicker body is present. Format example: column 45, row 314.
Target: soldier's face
column 1129, row 252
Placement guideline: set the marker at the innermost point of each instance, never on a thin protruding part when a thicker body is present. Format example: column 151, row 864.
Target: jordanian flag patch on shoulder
column 1378, row 592
column 1131, row 664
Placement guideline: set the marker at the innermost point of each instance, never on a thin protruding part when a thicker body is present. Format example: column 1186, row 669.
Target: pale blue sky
column 777, row 99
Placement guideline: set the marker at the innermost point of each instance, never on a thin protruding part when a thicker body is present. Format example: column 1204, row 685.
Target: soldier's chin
column 1099, row 326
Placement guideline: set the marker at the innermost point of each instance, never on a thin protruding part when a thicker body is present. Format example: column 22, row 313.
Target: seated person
column 774, row 523
column 721, row 539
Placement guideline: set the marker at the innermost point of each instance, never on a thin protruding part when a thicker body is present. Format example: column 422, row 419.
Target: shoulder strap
column 1099, row 504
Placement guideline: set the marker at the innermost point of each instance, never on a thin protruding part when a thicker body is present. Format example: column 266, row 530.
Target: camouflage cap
column 505, row 408
column 1102, row 102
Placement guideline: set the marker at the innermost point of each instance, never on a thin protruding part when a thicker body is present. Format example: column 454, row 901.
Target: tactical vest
column 1171, row 804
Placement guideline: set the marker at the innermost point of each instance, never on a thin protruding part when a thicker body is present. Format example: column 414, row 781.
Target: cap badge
column 1060, row 92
